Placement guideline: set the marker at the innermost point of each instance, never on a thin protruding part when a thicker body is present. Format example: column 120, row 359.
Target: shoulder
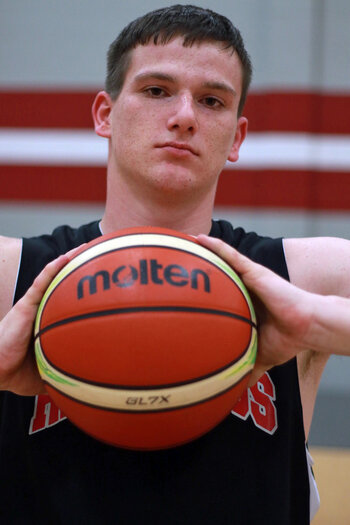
column 10, row 254
column 8, row 246
column 39, row 251
column 62, row 239
column 319, row 264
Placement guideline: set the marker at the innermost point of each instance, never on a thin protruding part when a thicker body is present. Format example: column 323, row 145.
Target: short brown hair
column 194, row 23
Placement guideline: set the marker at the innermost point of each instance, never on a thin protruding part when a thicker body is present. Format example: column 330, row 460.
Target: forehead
column 205, row 60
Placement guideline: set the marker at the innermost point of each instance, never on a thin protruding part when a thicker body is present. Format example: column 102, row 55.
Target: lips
column 180, row 146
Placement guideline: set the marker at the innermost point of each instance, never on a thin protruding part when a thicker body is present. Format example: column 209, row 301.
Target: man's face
column 174, row 123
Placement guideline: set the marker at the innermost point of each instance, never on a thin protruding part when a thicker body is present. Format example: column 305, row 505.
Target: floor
column 332, row 472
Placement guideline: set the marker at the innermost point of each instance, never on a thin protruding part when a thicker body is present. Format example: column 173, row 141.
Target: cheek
column 220, row 140
column 124, row 134
column 133, row 125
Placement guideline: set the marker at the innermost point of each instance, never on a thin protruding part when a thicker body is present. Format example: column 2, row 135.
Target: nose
column 183, row 117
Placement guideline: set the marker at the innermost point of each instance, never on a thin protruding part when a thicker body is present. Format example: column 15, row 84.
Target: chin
column 176, row 184
column 178, row 181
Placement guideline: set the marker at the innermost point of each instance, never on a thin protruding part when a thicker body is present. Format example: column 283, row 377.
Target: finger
column 75, row 251
column 222, row 249
column 42, row 281
column 233, row 257
column 259, row 279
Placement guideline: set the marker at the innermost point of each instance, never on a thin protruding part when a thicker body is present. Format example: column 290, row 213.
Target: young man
column 176, row 84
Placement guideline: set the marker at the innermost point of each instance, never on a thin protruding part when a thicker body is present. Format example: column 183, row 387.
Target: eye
column 212, row 102
column 155, row 92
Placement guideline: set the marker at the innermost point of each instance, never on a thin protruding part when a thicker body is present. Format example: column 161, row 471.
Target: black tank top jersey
column 251, row 469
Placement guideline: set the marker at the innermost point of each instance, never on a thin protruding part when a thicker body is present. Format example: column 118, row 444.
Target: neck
column 181, row 212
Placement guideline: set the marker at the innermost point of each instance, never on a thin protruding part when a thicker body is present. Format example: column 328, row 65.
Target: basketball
column 145, row 339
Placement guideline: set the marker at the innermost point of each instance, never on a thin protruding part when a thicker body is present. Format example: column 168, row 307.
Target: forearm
column 18, row 370
column 330, row 330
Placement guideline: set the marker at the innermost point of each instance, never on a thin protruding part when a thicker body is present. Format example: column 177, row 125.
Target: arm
column 18, row 371
column 319, row 264
column 291, row 320
column 10, row 253
column 331, row 326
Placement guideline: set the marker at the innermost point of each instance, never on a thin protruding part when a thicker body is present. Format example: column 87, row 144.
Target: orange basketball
column 145, row 339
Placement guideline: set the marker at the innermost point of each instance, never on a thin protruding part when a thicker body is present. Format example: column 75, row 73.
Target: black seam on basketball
column 145, row 309
column 149, row 411
column 183, row 250
column 175, row 248
column 145, row 246
column 149, row 387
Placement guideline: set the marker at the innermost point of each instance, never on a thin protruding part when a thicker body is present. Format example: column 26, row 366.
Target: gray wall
column 63, row 42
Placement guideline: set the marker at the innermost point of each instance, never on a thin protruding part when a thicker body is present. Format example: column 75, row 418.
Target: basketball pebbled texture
column 145, row 339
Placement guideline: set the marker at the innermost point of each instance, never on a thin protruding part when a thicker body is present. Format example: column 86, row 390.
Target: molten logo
column 147, row 271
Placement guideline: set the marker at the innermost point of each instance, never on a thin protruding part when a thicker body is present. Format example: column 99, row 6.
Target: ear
column 240, row 135
column 101, row 112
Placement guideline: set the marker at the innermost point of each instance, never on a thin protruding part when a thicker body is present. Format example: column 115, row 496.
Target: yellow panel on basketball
column 146, row 339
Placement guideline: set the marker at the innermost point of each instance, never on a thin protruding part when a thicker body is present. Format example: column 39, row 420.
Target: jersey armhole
column 314, row 494
column 17, row 275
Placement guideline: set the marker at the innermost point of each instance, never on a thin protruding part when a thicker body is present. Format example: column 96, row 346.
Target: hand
column 18, row 370
column 285, row 312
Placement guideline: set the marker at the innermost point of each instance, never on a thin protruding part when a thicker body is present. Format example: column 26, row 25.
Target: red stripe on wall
column 299, row 112
column 308, row 190
column 271, row 111
column 52, row 183
column 40, row 109
column 305, row 190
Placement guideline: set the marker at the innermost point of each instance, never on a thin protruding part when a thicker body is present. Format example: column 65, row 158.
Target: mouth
column 178, row 148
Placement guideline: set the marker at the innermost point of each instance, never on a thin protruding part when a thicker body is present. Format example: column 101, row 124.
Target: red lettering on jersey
column 46, row 414
column 241, row 408
column 258, row 402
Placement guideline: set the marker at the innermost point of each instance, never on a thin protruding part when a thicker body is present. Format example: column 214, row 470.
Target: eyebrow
column 155, row 74
column 221, row 86
column 218, row 86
